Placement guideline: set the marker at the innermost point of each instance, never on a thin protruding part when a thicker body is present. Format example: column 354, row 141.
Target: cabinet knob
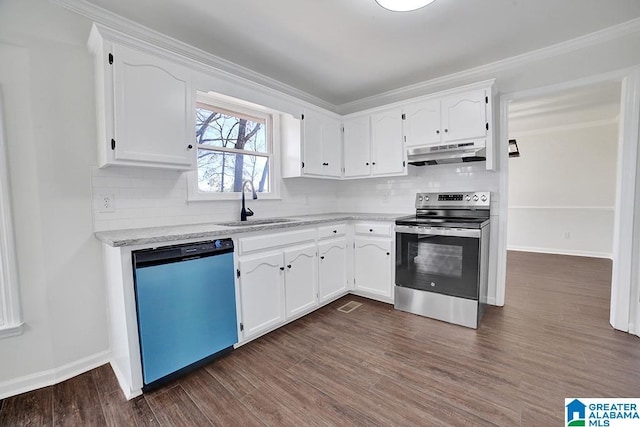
column 438, row 131
column 446, row 130
column 388, row 253
column 371, row 230
column 322, row 257
column 189, row 146
column 335, row 231
column 373, row 163
column 367, row 163
column 325, row 164
column 281, row 268
column 288, row 265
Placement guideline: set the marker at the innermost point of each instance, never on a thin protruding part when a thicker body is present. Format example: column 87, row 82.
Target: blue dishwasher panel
column 186, row 312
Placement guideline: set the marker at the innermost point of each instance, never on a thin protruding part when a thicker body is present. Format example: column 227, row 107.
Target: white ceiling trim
column 117, row 22
column 587, row 40
column 146, row 34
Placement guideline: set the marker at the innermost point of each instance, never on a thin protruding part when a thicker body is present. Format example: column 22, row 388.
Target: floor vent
column 350, row 306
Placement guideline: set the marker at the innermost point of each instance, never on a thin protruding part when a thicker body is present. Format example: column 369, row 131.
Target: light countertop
column 142, row 236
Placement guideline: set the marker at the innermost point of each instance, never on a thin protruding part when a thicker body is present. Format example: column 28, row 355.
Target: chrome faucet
column 244, row 213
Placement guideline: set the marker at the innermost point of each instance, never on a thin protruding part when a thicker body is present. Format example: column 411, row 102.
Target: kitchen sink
column 266, row 221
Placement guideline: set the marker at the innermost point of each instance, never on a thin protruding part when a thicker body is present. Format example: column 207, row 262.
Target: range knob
column 483, row 198
column 475, row 197
column 468, row 197
column 426, row 198
column 419, row 198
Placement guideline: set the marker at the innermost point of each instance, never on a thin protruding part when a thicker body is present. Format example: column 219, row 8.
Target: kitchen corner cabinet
column 332, row 268
column 312, row 146
column 373, row 145
column 145, row 106
column 373, row 260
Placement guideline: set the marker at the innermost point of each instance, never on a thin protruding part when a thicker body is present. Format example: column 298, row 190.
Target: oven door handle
column 436, row 231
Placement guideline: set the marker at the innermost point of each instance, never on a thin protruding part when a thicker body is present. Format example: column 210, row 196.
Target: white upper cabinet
column 312, row 145
column 145, row 107
column 422, row 123
column 464, row 116
column 357, row 147
column 386, row 143
column 373, row 145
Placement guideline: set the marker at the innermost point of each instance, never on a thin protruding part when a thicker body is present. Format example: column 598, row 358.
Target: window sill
column 11, row 331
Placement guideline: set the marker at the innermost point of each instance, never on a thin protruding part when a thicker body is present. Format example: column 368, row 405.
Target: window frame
column 11, row 322
column 248, row 110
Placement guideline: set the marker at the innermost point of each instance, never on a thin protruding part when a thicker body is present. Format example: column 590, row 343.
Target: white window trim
column 10, row 314
column 272, row 118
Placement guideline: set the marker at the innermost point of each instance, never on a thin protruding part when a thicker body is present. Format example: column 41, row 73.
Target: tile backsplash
column 143, row 197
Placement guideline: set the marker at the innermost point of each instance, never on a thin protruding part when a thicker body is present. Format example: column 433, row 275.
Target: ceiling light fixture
column 403, row 5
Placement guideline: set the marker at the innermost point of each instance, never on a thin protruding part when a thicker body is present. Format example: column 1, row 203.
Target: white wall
column 564, row 182
column 47, row 82
column 47, row 77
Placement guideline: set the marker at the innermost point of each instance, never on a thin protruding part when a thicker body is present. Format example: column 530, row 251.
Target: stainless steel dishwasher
column 186, row 307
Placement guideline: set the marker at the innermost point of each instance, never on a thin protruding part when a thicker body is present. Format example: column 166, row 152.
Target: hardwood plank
column 173, row 407
column 76, row 402
column 28, row 409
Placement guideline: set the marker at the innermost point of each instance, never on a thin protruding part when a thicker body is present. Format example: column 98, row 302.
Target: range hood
column 467, row 151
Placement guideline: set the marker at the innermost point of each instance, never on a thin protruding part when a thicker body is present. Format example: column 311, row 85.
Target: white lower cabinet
column 332, row 268
column 373, row 266
column 301, row 279
column 261, row 285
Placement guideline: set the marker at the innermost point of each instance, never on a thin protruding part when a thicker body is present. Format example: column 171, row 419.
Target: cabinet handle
column 288, row 265
column 189, row 146
column 322, row 257
column 281, row 268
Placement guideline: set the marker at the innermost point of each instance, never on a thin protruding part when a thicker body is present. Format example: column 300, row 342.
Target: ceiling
column 345, row 50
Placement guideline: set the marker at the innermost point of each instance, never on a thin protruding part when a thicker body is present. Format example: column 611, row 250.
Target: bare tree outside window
column 232, row 148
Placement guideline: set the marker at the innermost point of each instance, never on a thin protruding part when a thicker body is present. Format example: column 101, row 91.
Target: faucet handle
column 249, row 212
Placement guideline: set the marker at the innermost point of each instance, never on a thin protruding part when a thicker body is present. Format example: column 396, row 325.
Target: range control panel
column 460, row 200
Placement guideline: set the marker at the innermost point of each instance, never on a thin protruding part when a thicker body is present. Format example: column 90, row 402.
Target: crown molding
column 436, row 84
column 153, row 37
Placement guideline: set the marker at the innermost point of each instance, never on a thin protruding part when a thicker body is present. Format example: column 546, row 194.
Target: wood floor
column 377, row 366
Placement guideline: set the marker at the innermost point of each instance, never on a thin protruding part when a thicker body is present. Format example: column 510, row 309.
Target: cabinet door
column 301, row 279
column 357, row 154
column 154, row 117
column 464, row 116
column 373, row 266
column 261, row 292
column 332, row 267
column 312, row 144
column 386, row 143
column 422, row 123
column 331, row 148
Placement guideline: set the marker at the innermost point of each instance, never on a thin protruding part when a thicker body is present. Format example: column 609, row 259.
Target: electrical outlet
column 566, row 235
column 106, row 203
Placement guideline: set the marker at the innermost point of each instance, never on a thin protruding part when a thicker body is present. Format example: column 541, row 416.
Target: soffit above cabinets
column 343, row 51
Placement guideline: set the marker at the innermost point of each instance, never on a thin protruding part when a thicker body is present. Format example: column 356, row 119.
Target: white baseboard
column 560, row 252
column 52, row 376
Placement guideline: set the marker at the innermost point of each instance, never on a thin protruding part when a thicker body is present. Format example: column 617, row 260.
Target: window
column 234, row 144
column 10, row 316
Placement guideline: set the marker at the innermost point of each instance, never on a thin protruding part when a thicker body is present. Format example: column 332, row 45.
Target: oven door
column 440, row 260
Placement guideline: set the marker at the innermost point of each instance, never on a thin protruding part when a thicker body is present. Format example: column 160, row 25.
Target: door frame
column 625, row 286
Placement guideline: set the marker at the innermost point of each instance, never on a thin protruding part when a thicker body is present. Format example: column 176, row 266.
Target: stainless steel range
column 442, row 255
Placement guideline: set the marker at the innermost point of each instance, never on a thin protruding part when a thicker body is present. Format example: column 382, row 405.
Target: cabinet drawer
column 373, row 229
column 274, row 240
column 332, row 231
